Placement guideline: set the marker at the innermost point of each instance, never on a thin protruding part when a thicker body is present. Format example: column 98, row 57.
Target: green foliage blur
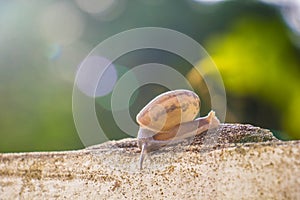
column 43, row 42
column 263, row 66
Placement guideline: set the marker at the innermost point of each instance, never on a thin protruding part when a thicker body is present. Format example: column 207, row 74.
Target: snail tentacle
column 143, row 154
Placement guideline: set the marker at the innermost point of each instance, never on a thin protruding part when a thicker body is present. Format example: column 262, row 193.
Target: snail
column 170, row 117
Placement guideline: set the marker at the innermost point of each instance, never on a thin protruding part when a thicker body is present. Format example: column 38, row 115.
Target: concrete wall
column 234, row 162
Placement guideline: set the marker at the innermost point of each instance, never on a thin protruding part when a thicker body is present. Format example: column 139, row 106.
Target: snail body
column 170, row 117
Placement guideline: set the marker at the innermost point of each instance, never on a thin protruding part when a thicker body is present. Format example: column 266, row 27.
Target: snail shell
column 168, row 110
column 170, row 117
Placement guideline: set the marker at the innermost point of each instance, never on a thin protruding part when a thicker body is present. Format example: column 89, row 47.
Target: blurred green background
column 255, row 45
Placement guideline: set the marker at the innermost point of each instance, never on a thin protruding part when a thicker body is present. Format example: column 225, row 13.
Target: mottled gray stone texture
column 234, row 161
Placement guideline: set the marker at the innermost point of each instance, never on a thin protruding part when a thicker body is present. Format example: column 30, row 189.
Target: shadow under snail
column 169, row 118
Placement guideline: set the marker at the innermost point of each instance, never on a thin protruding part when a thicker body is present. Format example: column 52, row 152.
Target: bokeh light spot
column 61, row 23
column 94, row 6
column 105, row 101
column 55, row 51
column 96, row 71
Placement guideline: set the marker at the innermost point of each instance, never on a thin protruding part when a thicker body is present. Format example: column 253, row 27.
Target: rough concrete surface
column 233, row 162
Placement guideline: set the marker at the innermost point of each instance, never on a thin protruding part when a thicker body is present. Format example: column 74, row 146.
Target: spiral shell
column 168, row 110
